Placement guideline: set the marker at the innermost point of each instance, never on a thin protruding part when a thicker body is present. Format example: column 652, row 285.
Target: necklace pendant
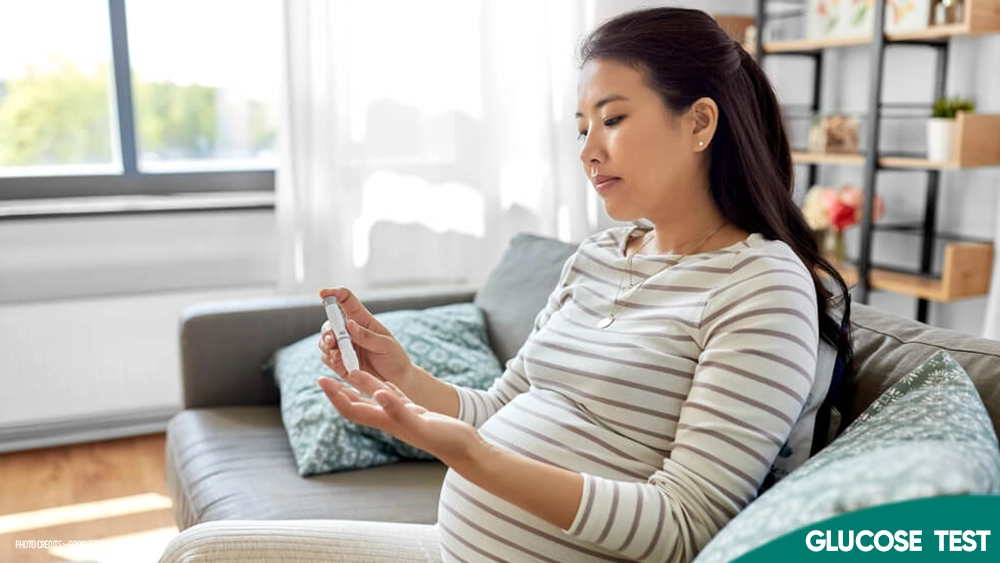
column 606, row 321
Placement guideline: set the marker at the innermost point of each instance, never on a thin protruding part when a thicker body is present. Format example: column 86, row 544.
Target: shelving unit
column 966, row 266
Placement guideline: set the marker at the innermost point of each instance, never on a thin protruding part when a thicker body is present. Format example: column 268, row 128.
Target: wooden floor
column 110, row 494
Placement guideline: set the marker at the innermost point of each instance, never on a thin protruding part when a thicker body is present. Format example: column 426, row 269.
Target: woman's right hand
column 379, row 353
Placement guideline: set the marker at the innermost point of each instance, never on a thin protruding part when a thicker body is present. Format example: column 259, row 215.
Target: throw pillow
column 927, row 435
column 449, row 342
column 517, row 288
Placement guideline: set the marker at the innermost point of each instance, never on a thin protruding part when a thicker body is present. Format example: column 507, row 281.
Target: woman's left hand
column 446, row 438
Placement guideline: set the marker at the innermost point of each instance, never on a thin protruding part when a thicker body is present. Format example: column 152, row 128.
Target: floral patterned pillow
column 927, row 435
column 449, row 342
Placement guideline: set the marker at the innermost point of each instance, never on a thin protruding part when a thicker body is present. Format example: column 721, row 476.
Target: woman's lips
column 604, row 183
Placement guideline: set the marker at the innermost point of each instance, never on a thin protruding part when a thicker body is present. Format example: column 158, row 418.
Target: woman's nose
column 590, row 153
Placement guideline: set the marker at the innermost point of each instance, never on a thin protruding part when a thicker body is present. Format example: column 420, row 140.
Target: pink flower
column 855, row 197
column 842, row 215
column 829, row 198
column 852, row 196
column 837, row 207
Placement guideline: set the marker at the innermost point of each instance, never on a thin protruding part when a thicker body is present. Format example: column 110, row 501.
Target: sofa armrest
column 225, row 344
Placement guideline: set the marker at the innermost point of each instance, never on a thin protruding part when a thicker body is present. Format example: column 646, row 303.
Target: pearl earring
column 701, row 143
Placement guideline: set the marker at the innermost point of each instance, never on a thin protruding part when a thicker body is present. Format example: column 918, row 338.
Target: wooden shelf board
column 806, row 45
column 916, row 286
column 828, row 158
column 932, row 33
column 885, row 161
column 967, row 271
column 894, row 281
column 935, row 33
column 977, row 140
column 911, row 162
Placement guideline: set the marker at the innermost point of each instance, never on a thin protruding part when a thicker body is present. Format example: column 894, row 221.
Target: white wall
column 610, row 8
column 77, row 359
column 89, row 309
column 51, row 259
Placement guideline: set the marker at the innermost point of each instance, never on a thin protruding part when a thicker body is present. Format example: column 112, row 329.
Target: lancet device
column 338, row 322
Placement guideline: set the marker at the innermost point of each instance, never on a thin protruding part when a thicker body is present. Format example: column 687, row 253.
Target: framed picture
column 901, row 15
column 857, row 17
column 851, row 18
column 823, row 18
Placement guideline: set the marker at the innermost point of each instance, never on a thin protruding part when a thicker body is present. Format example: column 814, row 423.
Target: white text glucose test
column 338, row 322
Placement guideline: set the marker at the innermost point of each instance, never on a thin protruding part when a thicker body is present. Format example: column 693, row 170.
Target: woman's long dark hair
column 685, row 55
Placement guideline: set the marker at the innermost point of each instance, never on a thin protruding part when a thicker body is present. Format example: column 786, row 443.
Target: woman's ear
column 705, row 116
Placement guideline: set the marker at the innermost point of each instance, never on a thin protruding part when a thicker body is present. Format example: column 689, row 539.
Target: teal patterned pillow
column 927, row 435
column 449, row 342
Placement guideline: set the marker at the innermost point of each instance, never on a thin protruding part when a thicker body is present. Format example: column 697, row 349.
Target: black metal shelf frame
column 927, row 228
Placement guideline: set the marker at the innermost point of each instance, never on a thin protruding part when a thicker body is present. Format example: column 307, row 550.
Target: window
column 56, row 90
column 121, row 97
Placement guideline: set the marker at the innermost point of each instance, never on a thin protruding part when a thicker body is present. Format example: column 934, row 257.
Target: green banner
column 954, row 528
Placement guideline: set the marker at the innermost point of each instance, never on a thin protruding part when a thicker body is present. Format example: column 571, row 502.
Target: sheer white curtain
column 418, row 137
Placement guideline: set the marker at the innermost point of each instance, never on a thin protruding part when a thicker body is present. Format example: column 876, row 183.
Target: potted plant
column 941, row 127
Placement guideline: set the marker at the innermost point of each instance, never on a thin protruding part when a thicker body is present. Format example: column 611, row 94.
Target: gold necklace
column 608, row 320
column 628, row 265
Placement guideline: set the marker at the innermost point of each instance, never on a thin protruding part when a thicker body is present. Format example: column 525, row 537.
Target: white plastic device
column 338, row 322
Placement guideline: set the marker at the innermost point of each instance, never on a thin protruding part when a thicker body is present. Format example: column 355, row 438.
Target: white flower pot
column 940, row 139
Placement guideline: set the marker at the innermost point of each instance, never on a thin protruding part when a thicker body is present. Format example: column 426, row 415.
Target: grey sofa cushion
column 517, row 288
column 887, row 347
column 235, row 463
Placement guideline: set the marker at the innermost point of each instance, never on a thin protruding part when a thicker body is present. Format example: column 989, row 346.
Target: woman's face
column 641, row 151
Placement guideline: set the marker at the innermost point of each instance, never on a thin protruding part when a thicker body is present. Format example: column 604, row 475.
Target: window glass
column 204, row 83
column 56, row 96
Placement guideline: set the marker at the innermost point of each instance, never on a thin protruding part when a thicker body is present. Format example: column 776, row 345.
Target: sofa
column 227, row 453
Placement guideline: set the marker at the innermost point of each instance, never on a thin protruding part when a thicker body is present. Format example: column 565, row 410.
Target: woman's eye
column 609, row 122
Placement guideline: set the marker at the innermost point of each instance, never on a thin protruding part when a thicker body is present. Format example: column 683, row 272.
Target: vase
column 940, row 132
column 833, row 246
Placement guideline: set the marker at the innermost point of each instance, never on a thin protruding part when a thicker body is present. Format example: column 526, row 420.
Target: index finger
column 351, row 305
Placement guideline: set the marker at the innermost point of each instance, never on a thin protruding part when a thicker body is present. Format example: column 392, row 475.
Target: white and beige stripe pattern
column 304, row 541
column 673, row 414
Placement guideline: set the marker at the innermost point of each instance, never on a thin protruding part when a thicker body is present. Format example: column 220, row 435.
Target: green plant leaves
column 949, row 107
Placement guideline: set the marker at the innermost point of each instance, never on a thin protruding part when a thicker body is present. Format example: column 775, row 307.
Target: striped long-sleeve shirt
column 673, row 414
